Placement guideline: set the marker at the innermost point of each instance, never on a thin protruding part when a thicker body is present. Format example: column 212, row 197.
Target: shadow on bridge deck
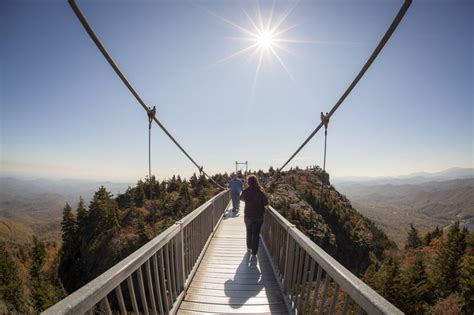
column 228, row 280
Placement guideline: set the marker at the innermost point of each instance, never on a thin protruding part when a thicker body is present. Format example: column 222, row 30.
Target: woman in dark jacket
column 255, row 202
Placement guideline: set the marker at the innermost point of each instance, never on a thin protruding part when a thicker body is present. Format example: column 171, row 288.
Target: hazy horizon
column 134, row 180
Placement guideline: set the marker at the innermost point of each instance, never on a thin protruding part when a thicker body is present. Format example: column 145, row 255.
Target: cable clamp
column 325, row 119
column 151, row 114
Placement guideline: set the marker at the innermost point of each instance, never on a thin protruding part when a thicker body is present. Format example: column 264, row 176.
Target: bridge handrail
column 87, row 297
column 298, row 261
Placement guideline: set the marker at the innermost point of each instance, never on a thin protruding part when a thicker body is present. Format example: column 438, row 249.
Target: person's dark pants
column 235, row 200
column 253, row 226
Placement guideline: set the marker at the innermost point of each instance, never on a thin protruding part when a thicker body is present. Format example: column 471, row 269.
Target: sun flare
column 265, row 39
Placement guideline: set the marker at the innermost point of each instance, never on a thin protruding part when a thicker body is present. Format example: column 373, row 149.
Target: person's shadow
column 248, row 281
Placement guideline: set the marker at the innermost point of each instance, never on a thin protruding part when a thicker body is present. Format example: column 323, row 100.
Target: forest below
column 431, row 273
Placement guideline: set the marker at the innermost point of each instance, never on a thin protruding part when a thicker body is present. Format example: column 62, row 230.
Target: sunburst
column 265, row 38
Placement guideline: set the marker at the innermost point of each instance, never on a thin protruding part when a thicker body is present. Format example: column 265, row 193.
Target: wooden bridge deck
column 229, row 281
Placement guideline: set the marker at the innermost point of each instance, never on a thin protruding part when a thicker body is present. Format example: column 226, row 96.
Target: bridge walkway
column 228, row 280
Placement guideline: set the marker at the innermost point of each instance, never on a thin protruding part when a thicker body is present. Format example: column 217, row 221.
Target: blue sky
column 64, row 112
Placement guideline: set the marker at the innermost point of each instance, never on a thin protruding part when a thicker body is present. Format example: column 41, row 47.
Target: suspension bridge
column 200, row 265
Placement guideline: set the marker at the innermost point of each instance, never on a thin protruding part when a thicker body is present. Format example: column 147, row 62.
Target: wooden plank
column 214, row 292
column 255, row 269
column 243, row 257
column 218, row 308
column 185, row 312
column 226, row 276
column 222, row 269
column 246, row 280
column 231, row 286
column 237, row 263
column 234, row 300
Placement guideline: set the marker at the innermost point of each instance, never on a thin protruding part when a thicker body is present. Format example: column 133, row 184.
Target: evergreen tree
column 271, row 171
column 156, row 188
column 449, row 260
column 202, row 181
column 42, row 291
column 193, row 180
column 387, row 281
column 11, row 287
column 430, row 236
column 81, row 214
column 125, row 200
column 466, row 285
column 103, row 212
column 427, row 239
column 172, row 184
column 69, row 230
column 139, row 196
column 416, row 288
column 37, row 279
column 437, row 232
column 144, row 231
column 413, row 239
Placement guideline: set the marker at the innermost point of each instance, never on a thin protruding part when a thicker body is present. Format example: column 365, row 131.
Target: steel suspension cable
column 373, row 56
column 117, row 70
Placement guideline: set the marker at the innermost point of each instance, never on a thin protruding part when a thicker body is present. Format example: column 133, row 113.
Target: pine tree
column 139, row 196
column 156, row 188
column 416, row 288
column 81, row 214
column 172, row 184
column 103, row 212
column 387, row 281
column 203, row 182
column 69, row 230
column 437, row 232
column 44, row 291
column 449, row 260
column 466, row 285
column 193, row 180
column 11, row 287
column 427, row 239
column 144, row 231
column 125, row 200
column 413, row 239
column 271, row 171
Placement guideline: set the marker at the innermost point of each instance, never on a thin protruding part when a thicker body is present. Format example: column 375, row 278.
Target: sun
column 265, row 39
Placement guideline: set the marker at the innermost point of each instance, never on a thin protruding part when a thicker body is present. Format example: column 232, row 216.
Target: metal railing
column 155, row 277
column 311, row 280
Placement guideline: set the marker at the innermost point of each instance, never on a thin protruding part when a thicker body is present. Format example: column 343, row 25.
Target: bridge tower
column 239, row 166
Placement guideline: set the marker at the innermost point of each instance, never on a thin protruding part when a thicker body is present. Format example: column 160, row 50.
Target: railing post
column 183, row 270
column 213, row 215
column 285, row 274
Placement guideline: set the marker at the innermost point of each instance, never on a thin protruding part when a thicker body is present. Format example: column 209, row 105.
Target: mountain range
column 35, row 206
column 424, row 199
column 413, row 178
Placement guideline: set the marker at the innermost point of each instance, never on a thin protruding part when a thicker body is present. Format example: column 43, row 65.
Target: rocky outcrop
column 331, row 221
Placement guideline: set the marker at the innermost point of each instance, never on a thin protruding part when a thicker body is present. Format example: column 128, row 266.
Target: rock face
column 331, row 221
column 290, row 203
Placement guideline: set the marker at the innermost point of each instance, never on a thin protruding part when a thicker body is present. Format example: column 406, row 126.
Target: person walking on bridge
column 255, row 202
column 236, row 186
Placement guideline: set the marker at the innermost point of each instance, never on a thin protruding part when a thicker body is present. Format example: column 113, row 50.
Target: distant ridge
column 413, row 178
